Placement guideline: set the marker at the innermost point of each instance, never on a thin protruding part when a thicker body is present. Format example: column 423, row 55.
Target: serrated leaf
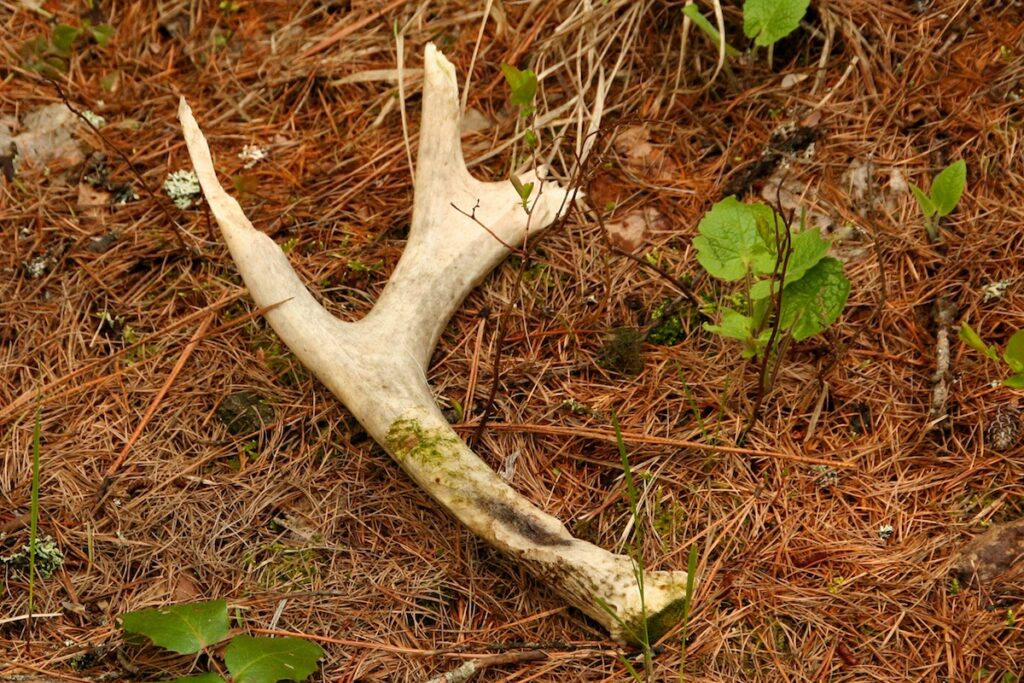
column 815, row 301
column 1014, row 355
column 63, row 37
column 267, row 660
column 948, row 187
column 729, row 240
column 184, row 629
column 768, row 21
column 971, row 338
column 208, row 677
column 733, row 325
column 808, row 248
column 522, row 85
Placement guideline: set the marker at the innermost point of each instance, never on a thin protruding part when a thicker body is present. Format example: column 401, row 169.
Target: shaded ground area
column 173, row 472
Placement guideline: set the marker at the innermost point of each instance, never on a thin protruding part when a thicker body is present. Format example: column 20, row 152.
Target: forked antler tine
column 377, row 365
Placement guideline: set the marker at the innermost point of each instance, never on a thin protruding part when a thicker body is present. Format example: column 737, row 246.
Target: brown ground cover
column 155, row 496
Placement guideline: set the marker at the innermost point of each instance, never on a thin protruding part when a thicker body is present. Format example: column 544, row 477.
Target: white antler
column 377, row 366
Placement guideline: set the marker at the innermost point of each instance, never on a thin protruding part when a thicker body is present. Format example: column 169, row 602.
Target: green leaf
column 208, row 677
column 1015, row 382
column 1014, row 355
column 808, row 248
column 184, row 629
column 815, row 301
column 948, row 186
column 734, row 325
column 970, row 337
column 102, row 34
column 729, row 240
column 523, row 87
column 63, row 37
column 928, row 207
column 267, row 660
column 768, row 21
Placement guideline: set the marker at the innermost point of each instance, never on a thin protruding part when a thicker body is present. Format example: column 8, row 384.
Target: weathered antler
column 377, row 366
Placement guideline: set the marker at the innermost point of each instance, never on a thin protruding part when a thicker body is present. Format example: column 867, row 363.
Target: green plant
column 1013, row 356
column 199, row 627
column 769, row 21
column 764, row 21
column 34, row 508
column 49, row 56
column 947, row 188
column 522, row 85
column 643, row 638
column 791, row 288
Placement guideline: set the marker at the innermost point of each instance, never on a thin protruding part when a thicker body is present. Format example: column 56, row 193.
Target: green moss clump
column 407, row 438
column 668, row 329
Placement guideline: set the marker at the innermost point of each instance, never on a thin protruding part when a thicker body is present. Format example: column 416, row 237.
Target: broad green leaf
column 729, row 240
column 815, row 301
column 733, row 325
column 208, row 677
column 1015, row 382
column 1014, row 355
column 768, row 21
column 102, row 33
column 63, row 37
column 523, row 87
column 948, row 186
column 928, row 207
column 970, row 337
column 184, row 629
column 267, row 660
column 808, row 248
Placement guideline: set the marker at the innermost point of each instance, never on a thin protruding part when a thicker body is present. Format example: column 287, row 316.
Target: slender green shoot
column 693, row 13
column 644, row 638
column 691, row 574
column 34, row 511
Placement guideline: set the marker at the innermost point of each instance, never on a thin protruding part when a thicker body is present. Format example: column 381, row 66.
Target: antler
column 377, row 366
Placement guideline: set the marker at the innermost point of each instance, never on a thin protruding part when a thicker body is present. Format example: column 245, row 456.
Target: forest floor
column 186, row 455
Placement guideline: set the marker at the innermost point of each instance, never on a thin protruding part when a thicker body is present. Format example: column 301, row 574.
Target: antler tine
column 377, row 366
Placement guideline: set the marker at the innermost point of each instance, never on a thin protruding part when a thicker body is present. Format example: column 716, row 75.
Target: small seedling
column 199, row 627
column 751, row 243
column 50, row 56
column 947, row 188
column 522, row 85
column 1013, row 357
column 524, row 190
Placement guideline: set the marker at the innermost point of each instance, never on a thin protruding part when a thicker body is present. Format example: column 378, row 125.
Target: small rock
column 245, row 412
column 991, row 554
column 621, row 352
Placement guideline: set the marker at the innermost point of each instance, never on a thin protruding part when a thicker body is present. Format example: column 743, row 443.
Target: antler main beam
column 377, row 366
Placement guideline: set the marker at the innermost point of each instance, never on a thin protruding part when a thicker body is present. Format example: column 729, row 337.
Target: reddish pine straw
column 795, row 583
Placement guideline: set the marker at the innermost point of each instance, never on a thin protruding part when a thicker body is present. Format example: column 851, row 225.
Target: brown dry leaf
column 642, row 157
column 185, row 588
column 992, row 554
column 47, row 139
column 92, row 203
column 630, row 232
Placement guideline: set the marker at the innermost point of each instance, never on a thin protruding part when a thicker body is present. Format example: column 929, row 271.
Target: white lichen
column 885, row 532
column 48, row 558
column 995, row 290
column 252, row 155
column 183, row 188
column 93, row 118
